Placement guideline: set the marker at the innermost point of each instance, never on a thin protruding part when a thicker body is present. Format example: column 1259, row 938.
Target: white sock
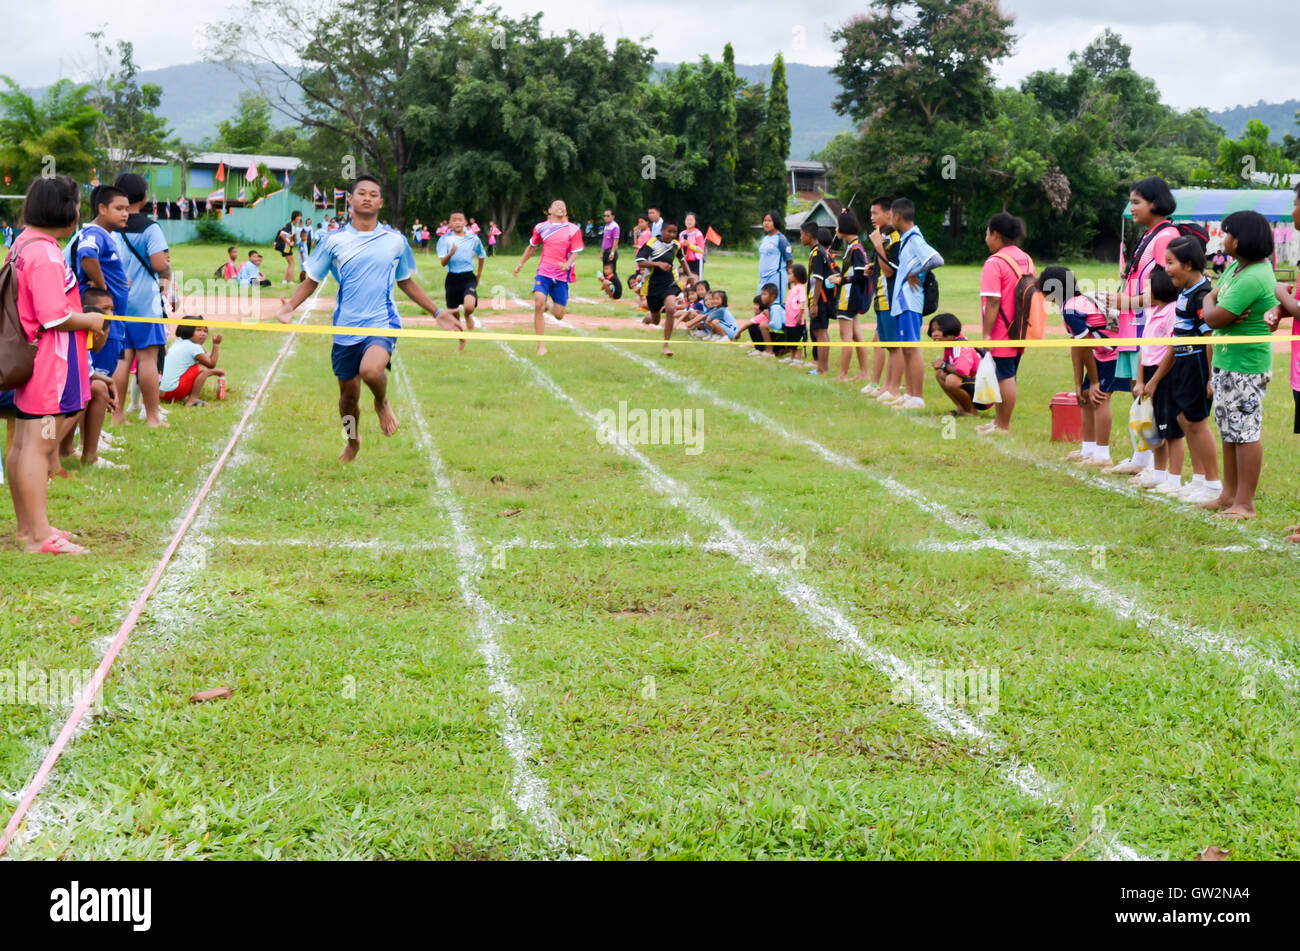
column 1175, row 479
column 1216, row 485
column 1087, row 449
column 1198, row 478
column 1146, row 459
column 1101, row 451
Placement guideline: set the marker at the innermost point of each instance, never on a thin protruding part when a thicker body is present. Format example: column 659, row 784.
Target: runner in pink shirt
column 560, row 241
column 50, row 312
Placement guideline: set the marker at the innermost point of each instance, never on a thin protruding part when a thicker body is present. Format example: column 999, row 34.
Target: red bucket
column 1067, row 418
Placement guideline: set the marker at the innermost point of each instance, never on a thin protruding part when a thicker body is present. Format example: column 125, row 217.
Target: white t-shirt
column 180, row 358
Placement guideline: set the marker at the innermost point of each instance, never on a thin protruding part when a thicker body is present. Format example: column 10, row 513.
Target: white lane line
column 1060, row 575
column 821, row 612
column 184, row 556
column 997, row 544
column 508, row 544
column 528, row 790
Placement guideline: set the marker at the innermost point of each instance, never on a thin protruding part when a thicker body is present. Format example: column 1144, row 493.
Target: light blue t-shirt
column 366, row 264
column 143, row 299
column 724, row 317
column 247, row 274
column 96, row 242
column 180, row 357
column 774, row 255
column 776, row 316
column 468, row 249
column 915, row 256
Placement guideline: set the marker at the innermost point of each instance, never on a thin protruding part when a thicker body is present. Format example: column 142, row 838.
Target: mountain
column 1280, row 117
column 813, row 121
column 196, row 96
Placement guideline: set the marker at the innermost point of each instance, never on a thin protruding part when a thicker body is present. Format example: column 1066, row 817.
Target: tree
column 1106, row 54
column 52, row 135
column 249, row 129
column 355, row 61
column 1252, row 161
column 777, row 140
column 130, row 129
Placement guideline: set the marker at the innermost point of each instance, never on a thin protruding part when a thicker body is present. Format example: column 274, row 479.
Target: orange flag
column 713, row 237
column 221, row 171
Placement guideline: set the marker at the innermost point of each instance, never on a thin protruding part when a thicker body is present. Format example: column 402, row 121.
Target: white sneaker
column 1148, row 479
column 1126, row 467
column 885, row 396
column 909, row 402
column 1075, row 455
column 1199, row 494
column 1095, row 462
column 1168, row 488
column 870, row 388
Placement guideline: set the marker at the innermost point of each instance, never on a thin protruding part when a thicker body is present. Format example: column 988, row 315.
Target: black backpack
column 929, row 287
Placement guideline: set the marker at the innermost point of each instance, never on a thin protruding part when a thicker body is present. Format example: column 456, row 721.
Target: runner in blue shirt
column 459, row 251
column 94, row 255
column 365, row 259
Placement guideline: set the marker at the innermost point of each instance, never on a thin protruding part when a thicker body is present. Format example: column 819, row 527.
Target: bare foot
column 460, row 347
column 157, row 424
column 861, row 376
column 648, row 320
column 387, row 418
column 1293, row 539
column 119, row 421
column 841, row 379
column 1292, row 529
column 667, row 352
column 350, row 450
column 1237, row 512
column 470, row 322
column 1215, row 505
column 541, row 349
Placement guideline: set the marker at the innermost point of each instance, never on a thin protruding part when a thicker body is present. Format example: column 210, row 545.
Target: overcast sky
column 1198, row 51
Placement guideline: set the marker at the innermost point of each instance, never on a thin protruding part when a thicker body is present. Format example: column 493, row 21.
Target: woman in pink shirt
column 49, row 309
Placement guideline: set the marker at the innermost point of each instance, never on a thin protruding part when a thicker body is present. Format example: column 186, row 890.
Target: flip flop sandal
column 58, row 545
column 198, row 403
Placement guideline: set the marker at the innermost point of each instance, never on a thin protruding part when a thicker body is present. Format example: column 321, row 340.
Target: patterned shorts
column 1239, row 404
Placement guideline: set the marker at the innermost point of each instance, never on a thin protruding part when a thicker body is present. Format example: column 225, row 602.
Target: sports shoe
column 870, row 389
column 897, row 400
column 1148, row 479
column 885, row 396
column 1075, row 455
column 1127, row 467
column 1168, row 488
column 699, row 334
column 748, row 353
column 1096, row 462
column 1199, row 493
column 909, row 402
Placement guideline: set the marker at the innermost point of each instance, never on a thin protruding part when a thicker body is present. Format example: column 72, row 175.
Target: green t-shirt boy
column 1248, row 292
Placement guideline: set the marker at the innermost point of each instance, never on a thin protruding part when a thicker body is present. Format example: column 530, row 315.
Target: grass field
column 832, row 632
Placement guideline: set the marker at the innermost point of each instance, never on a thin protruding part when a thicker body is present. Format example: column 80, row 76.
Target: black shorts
column 821, row 320
column 793, row 334
column 970, row 391
column 1295, row 395
column 1007, row 367
column 693, row 267
column 656, row 301
column 609, row 257
column 460, row 285
column 1186, row 385
column 1162, row 405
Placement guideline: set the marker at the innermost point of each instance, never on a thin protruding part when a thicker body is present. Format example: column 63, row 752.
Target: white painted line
column 528, row 790
column 509, row 544
column 821, row 612
column 1060, row 575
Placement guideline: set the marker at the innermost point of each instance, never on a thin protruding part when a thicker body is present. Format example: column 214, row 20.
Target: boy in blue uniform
column 365, row 259
column 147, row 259
column 95, row 257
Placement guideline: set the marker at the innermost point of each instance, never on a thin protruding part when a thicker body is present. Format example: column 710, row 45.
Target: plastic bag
column 986, row 382
column 1142, row 424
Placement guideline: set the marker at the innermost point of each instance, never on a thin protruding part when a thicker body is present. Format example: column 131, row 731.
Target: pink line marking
column 128, row 624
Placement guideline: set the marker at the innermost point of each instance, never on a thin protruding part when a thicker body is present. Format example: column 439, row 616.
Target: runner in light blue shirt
column 462, row 254
column 366, row 259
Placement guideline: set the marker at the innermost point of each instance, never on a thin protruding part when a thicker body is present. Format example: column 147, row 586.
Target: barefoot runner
column 560, row 241
column 659, row 257
column 365, row 259
column 459, row 251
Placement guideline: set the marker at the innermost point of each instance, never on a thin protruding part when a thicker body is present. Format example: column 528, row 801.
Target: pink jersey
column 963, row 361
column 47, row 294
column 557, row 239
column 796, row 302
column 1131, row 323
column 1159, row 324
column 998, row 279
column 474, row 228
column 692, row 239
column 1295, row 354
column 230, row 270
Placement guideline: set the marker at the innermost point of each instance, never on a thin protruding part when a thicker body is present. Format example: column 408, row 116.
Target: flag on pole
column 316, row 194
column 242, row 191
column 713, row 237
column 209, row 204
column 221, row 171
column 251, row 174
column 340, row 193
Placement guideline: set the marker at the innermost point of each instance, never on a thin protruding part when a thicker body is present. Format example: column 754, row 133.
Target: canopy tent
column 1215, row 204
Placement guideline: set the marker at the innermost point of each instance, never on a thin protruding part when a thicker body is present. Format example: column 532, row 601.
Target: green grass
column 363, row 723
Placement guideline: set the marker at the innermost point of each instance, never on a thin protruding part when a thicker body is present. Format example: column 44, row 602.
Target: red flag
column 221, row 171
column 713, row 237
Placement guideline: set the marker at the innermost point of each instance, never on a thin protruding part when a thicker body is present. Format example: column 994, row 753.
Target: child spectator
column 189, row 365
column 304, row 238
column 915, row 259
column 1167, row 468
column 1184, row 384
column 1237, row 306
column 851, row 295
column 718, row 319
column 1094, row 367
column 1004, row 267
column 955, row 370
column 821, row 302
column 884, row 264
column 50, row 312
column 229, row 271
column 94, row 256
column 1286, row 295
column 609, row 282
column 103, row 395
column 796, row 309
column 251, row 272
column 759, row 326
